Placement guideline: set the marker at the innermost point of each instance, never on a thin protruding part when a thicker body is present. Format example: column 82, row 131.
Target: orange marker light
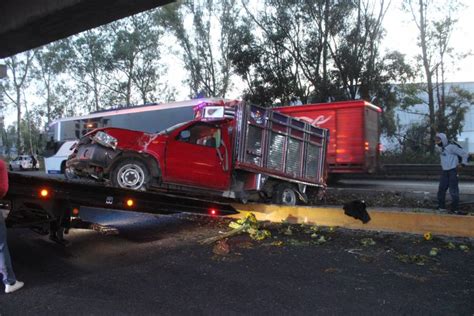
column 366, row 145
column 130, row 202
column 44, row 193
column 75, row 211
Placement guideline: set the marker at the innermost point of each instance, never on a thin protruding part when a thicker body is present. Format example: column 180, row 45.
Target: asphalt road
column 156, row 266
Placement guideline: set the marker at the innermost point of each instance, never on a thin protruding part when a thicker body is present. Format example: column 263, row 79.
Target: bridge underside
column 26, row 24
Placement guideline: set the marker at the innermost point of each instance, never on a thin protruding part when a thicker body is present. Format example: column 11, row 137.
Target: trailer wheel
column 284, row 194
column 130, row 174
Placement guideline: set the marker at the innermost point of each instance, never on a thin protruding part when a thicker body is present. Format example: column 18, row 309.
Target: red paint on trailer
column 354, row 132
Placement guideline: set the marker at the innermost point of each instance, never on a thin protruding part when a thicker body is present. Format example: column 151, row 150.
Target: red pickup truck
column 230, row 149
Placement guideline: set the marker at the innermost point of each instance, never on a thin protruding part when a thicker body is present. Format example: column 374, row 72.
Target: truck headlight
column 105, row 139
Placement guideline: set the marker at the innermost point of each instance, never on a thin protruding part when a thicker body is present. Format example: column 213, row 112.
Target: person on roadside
column 33, row 161
column 6, row 269
column 451, row 154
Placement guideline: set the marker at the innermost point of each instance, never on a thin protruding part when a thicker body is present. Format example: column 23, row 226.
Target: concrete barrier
column 382, row 220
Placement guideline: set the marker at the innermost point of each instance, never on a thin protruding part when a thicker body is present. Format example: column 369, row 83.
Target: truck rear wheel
column 130, row 174
column 284, row 194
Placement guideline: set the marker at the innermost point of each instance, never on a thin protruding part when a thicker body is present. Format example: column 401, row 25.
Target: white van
column 56, row 164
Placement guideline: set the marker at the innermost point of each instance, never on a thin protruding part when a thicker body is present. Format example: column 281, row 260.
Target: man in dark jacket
column 450, row 154
column 6, row 270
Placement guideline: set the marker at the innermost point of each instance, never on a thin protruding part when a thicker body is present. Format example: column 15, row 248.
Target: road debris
column 221, row 248
column 277, row 243
column 321, row 240
column 367, row 242
column 451, row 246
column 355, row 251
column 310, row 229
column 416, row 259
column 434, row 252
column 288, row 231
column 249, row 225
column 428, row 236
column 464, row 248
column 358, row 210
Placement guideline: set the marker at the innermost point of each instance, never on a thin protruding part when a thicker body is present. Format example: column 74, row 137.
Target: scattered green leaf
column 464, row 248
column 434, row 252
column 451, row 246
column 367, row 242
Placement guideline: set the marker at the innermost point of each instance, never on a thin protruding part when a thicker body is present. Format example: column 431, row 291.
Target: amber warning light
column 44, row 193
column 130, row 202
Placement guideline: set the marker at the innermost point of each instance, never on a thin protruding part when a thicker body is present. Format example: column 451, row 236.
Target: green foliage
column 206, row 57
column 317, row 51
column 311, row 50
column 134, row 56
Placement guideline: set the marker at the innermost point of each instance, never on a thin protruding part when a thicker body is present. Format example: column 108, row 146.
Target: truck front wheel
column 130, row 174
column 284, row 194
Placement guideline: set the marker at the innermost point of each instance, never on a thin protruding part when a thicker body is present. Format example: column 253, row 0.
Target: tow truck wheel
column 284, row 194
column 130, row 174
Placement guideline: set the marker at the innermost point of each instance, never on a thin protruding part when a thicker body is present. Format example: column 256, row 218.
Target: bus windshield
column 172, row 128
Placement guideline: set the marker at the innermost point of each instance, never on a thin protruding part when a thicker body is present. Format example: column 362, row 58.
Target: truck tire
column 284, row 194
column 130, row 174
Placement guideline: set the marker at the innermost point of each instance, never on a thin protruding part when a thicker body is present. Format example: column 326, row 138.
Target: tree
column 318, row 51
column 90, row 66
column 357, row 53
column 19, row 67
column 135, row 53
column 206, row 58
column 445, row 113
column 51, row 61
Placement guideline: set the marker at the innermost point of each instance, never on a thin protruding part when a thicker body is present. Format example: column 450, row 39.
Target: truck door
column 199, row 155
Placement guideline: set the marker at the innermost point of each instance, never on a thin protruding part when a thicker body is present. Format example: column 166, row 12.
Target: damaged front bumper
column 91, row 160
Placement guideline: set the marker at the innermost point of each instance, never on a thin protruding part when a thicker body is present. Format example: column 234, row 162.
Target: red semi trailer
column 354, row 129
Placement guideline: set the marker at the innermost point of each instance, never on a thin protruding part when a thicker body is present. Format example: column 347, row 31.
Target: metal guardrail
column 411, row 171
column 420, row 169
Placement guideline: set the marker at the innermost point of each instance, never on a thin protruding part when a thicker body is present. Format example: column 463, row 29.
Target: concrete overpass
column 26, row 24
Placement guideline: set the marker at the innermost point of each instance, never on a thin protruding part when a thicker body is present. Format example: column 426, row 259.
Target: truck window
column 204, row 135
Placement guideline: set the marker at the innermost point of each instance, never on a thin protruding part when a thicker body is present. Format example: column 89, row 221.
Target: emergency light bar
column 213, row 112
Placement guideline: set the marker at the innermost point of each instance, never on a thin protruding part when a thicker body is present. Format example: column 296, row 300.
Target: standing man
column 6, row 270
column 450, row 155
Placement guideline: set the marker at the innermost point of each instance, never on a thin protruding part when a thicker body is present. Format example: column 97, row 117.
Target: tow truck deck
column 52, row 205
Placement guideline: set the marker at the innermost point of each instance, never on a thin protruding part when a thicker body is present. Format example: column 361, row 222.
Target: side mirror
column 184, row 134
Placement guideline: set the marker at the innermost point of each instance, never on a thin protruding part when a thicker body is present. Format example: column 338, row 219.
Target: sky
column 402, row 36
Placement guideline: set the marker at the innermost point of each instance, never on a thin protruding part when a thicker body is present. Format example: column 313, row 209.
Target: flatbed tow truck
column 52, row 205
column 234, row 149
